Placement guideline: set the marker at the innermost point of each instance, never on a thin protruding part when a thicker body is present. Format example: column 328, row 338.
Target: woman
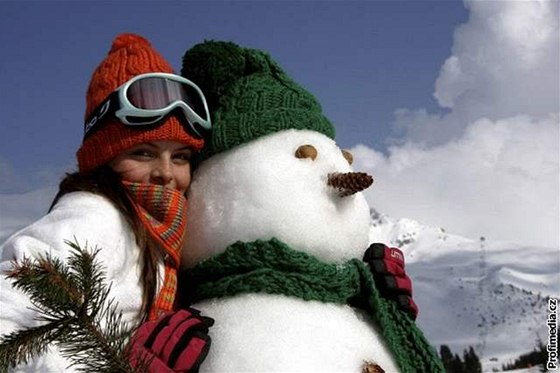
column 142, row 126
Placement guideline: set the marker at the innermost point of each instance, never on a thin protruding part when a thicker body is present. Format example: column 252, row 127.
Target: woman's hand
column 176, row 342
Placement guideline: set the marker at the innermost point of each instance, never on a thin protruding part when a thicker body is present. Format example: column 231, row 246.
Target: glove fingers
column 399, row 284
column 207, row 321
column 182, row 335
column 395, row 255
column 387, row 267
column 184, row 331
column 143, row 360
column 194, row 313
column 395, row 258
column 190, row 351
column 148, row 331
column 374, row 251
column 157, row 326
column 170, row 333
column 142, row 334
column 381, row 251
column 165, row 330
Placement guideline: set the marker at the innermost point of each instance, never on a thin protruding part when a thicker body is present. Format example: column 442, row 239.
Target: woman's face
column 164, row 163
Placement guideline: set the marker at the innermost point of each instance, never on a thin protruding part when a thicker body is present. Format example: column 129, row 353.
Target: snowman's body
column 261, row 190
column 265, row 333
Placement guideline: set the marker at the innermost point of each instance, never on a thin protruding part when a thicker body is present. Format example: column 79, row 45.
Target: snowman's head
column 286, row 185
column 271, row 168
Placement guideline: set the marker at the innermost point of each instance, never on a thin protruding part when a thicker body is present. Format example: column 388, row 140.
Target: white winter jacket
column 93, row 221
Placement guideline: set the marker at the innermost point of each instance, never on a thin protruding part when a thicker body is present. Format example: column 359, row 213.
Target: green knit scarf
column 274, row 268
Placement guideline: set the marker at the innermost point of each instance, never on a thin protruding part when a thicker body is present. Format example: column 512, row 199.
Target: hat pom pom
column 127, row 39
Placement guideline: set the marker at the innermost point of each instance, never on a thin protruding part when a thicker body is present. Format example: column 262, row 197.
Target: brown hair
column 106, row 182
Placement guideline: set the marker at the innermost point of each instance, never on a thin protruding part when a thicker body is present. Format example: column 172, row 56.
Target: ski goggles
column 147, row 99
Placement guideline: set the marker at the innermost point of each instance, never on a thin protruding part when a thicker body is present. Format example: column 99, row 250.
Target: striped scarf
column 273, row 267
column 163, row 212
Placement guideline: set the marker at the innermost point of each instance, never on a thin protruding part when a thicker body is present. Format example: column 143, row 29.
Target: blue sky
column 452, row 106
column 362, row 59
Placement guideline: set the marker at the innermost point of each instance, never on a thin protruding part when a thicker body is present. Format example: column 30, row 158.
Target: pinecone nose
column 350, row 182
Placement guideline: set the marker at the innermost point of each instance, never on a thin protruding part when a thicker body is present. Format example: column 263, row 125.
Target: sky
column 361, row 59
column 452, row 106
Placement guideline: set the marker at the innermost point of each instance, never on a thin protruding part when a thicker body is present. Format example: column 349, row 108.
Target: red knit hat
column 130, row 55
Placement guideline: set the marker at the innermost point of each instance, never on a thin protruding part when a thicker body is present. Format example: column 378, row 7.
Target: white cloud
column 504, row 63
column 500, row 180
column 488, row 164
column 504, row 60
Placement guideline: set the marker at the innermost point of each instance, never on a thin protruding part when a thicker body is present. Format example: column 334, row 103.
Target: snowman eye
column 306, row 151
column 349, row 157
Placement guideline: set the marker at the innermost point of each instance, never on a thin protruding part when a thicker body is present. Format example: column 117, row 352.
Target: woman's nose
column 161, row 173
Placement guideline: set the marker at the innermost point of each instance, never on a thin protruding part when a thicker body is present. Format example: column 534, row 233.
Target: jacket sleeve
column 93, row 222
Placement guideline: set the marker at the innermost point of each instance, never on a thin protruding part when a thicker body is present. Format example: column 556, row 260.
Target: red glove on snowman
column 387, row 266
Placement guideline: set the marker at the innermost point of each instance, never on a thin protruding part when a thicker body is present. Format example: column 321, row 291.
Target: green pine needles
column 74, row 313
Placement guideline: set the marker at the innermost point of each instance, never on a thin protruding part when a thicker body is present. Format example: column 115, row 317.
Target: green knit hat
column 249, row 95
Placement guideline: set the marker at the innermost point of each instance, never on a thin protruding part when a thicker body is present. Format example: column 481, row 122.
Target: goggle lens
column 148, row 98
column 157, row 93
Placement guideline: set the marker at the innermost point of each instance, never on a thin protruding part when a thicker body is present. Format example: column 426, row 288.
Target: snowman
column 276, row 229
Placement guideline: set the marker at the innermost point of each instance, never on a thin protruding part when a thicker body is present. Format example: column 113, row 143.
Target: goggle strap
column 107, row 107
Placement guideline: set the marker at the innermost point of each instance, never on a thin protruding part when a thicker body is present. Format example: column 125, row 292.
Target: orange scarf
column 163, row 212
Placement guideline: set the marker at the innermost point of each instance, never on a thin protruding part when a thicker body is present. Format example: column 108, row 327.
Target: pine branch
column 21, row 346
column 72, row 304
column 96, row 348
column 48, row 283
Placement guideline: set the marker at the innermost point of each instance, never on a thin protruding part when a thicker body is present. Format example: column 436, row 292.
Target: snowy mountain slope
column 488, row 294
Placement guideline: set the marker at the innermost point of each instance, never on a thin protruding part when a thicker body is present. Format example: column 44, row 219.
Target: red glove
column 176, row 342
column 387, row 266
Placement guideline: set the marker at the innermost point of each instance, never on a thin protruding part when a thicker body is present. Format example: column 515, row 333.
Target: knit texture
column 249, row 95
column 274, row 268
column 130, row 55
column 163, row 212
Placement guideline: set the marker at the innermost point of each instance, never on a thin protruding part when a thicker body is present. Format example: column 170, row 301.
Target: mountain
column 492, row 295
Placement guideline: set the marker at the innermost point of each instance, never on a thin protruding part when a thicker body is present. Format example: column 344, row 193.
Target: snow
column 290, row 335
